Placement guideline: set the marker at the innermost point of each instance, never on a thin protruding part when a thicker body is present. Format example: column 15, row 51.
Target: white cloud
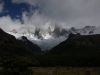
column 76, row 13
column 36, row 19
column 7, row 24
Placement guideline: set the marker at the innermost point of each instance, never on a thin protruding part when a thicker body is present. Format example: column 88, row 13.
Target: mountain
column 33, row 48
column 87, row 30
column 42, row 34
column 10, row 45
column 48, row 38
column 78, row 44
column 42, row 37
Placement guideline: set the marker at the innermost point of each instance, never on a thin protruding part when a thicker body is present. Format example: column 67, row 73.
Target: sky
column 23, row 14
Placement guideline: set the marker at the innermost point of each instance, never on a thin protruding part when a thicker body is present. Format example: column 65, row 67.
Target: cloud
column 32, row 2
column 7, row 24
column 78, row 13
column 36, row 19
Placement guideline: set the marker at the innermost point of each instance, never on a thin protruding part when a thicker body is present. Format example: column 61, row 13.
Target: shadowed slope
column 78, row 44
column 10, row 45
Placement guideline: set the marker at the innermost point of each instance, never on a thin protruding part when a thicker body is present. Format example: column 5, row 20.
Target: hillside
column 78, row 44
column 11, row 46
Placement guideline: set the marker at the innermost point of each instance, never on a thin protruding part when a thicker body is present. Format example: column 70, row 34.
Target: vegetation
column 14, row 59
column 50, row 60
column 48, row 64
column 66, row 71
column 16, row 71
column 50, row 71
column 78, row 44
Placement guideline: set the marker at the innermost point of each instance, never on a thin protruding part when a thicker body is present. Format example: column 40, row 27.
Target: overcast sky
column 15, row 14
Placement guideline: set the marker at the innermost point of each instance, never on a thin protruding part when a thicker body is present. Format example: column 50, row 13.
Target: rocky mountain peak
column 14, row 31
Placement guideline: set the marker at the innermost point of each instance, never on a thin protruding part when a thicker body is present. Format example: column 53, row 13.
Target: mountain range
column 58, row 40
column 49, row 38
column 75, row 50
column 11, row 46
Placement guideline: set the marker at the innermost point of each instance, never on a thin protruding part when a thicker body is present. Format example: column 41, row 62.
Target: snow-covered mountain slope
column 87, row 30
column 46, row 43
column 47, row 39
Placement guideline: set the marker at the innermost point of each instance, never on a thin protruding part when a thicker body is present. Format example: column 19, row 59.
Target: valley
column 73, row 50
